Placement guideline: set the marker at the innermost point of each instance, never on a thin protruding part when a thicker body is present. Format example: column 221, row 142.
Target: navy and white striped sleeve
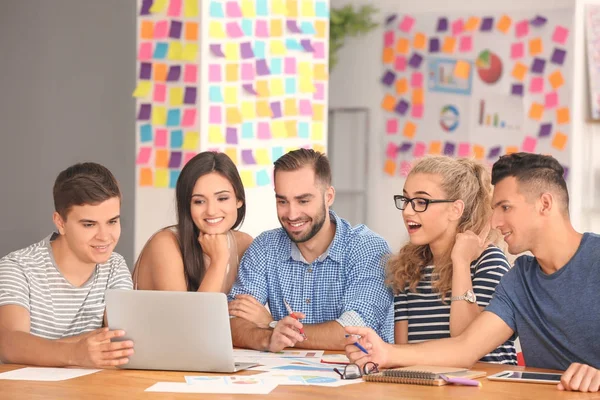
column 489, row 269
column 400, row 307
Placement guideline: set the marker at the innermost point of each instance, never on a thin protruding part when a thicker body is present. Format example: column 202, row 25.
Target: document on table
column 279, row 354
column 46, row 374
column 215, row 385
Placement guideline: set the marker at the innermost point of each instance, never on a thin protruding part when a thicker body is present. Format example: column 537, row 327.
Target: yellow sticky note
column 158, row 6
column 504, row 24
column 560, row 141
column 159, row 115
column 232, row 153
column 563, row 116
column 145, row 177
column 402, row 46
column 388, row 55
column 292, row 128
column 409, row 130
column 215, row 134
column 276, row 87
column 290, row 107
column 435, row 147
column 536, row 111
column 306, row 85
column 263, row 109
column 292, row 8
column 142, row 89
column 308, row 8
column 305, row 69
column 388, row 103
column 317, row 131
column 277, row 48
column 449, row 45
column 190, row 8
column 161, row 178
column 479, row 152
column 401, row 86
column 320, row 72
column 462, row 69
column 248, row 110
column 535, row 46
column 176, row 96
column 389, row 167
column 318, row 112
column 556, row 79
column 230, row 95
column 233, row 115
column 232, row 51
column 418, row 96
column 175, row 50
column 278, row 7
column 276, row 28
column 519, row 71
column 319, row 147
column 216, row 30
column 232, row 72
column 262, row 88
column 321, row 28
column 278, row 129
column 248, row 8
column 471, row 24
column 190, row 52
column 262, row 156
column 191, row 140
column 248, row 179
column 420, row 41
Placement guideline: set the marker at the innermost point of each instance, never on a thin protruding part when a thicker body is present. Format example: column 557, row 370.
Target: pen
column 291, row 312
column 358, row 344
column 461, row 381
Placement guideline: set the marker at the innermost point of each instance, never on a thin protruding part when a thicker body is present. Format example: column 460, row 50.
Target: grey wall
column 67, row 71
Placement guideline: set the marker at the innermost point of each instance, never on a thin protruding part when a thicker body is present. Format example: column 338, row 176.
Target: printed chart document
column 46, row 374
column 279, row 354
column 217, row 384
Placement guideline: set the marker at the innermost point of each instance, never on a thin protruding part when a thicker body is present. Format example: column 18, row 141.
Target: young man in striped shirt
column 52, row 292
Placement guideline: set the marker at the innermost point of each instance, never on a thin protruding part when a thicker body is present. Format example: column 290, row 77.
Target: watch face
column 470, row 296
column 272, row 324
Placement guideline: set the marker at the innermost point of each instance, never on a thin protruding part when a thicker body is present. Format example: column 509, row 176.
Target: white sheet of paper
column 213, row 387
column 46, row 374
column 270, row 362
column 316, row 378
column 281, row 354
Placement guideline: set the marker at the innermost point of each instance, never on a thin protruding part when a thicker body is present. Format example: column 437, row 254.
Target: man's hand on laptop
column 95, row 350
column 286, row 333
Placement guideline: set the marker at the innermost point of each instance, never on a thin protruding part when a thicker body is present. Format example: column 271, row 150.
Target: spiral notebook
column 422, row 375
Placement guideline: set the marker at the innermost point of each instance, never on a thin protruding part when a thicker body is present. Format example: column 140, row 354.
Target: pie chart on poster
column 489, row 67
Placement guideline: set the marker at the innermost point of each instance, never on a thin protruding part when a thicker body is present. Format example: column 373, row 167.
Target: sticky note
column 143, row 89
column 160, row 51
column 174, row 73
column 191, row 141
column 400, row 63
column 143, row 155
column 278, row 129
column 233, row 116
column 248, row 179
column 176, row 138
column 464, row 149
column 388, row 103
column 420, row 41
column 215, row 134
column 551, row 100
column 519, row 71
column 562, row 115
column 147, row 30
column 174, row 8
column 536, row 85
column 416, row 79
column 144, row 112
column 276, row 28
column 434, row 45
column 487, row 24
column 517, row 50
column 536, row 111
column 247, row 130
column 417, row 96
column 190, row 73
column 538, row 65
column 292, row 128
column 159, row 115
column 409, row 130
column 262, row 178
column 391, row 126
column 248, row 110
column 462, row 69
column 402, row 46
column 232, row 72
column 174, row 117
column 176, row 96
column 449, row 149
column 214, row 73
column 472, row 24
column 145, row 177
column 402, row 107
column 511, row 149
column 504, row 24
column 188, row 156
column 262, row 88
column 442, row 24
column 457, row 26
column 465, row 44
column 145, row 51
column 216, row 30
column 306, row 27
column 529, row 144
column 535, row 46
column 415, row 60
column 419, row 149
column 264, row 130
column 161, row 158
column 233, row 9
column 435, row 148
column 160, row 72
column 160, row 93
column 191, row 31
column 216, row 10
column 215, row 94
column 406, row 24
column 389, row 167
column 263, row 109
column 388, row 39
column 190, row 8
column 556, row 79
column 248, row 8
column 175, row 31
column 545, row 130
column 262, row 156
column 190, row 52
column 189, row 117
column 417, row 111
column 388, row 55
column 560, row 141
column 175, row 51
column 479, row 152
column 522, row 28
column 560, row 34
column 276, row 87
column 233, row 30
column 391, row 150
column 230, row 94
column 449, row 45
column 231, row 135
column 558, row 56
column 160, row 139
column 145, row 133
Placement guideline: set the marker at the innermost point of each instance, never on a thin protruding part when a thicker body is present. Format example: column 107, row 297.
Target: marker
column 291, row 312
column 358, row 344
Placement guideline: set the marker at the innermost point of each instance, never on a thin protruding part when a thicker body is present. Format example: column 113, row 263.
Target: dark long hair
column 191, row 251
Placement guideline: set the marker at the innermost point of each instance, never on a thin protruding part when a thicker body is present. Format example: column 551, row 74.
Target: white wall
column 355, row 83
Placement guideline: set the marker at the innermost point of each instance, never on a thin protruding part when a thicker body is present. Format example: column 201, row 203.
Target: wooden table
column 130, row 384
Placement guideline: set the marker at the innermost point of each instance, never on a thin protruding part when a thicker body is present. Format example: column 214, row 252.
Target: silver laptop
column 174, row 331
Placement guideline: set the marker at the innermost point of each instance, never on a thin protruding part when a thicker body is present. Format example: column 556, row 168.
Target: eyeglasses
column 418, row 204
column 353, row 371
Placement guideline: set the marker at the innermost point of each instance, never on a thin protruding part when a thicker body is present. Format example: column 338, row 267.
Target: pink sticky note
column 464, row 149
column 160, row 92
column 160, row 138
column 551, row 100
column 143, row 155
column 400, row 63
column 416, row 80
column 305, row 108
column 214, row 115
column 536, row 85
column 319, row 50
column 417, row 111
column 457, row 26
column 406, row 24
column 529, row 144
column 261, row 28
column 405, row 168
column 388, row 39
column 419, row 150
column 174, row 8
column 233, row 9
column 560, row 34
column 145, row 52
column 189, row 117
column 391, row 150
column 319, row 91
column 190, row 73
column 263, row 130
column 517, row 50
column 234, row 30
column 188, row 156
column 247, row 71
column 522, row 28
column 465, row 44
column 392, row 126
column 214, row 73
column 161, row 29
column 289, row 65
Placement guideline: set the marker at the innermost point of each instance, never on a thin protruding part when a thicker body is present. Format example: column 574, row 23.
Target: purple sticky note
column 558, row 56
column 388, row 78
column 449, row 149
column 565, row 172
column 276, row 109
column 487, row 24
column 145, row 9
column 415, row 60
column 442, row 25
column 390, row 19
column 494, row 152
column 305, row 43
column 434, row 45
column 215, row 49
column 246, row 50
column 144, row 113
column 175, row 31
column 262, row 68
column 292, row 26
column 249, row 89
column 545, row 130
column 402, row 107
column 517, row 89
column 248, row 157
column 538, row 21
column 231, row 136
column 175, row 159
column 174, row 73
column 538, row 65
column 190, row 95
column 145, row 70
column 404, row 147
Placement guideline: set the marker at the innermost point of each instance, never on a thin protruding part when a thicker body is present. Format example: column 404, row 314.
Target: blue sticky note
column 174, row 175
column 247, row 130
column 262, row 178
column 290, row 85
column 174, row 117
column 177, row 139
column 292, row 44
column 303, row 130
column 160, row 50
column 247, row 27
column 308, row 28
column 321, row 10
column 259, row 49
column 145, row 133
column 275, row 66
column 277, row 152
column 262, row 9
column 216, row 10
column 215, row 95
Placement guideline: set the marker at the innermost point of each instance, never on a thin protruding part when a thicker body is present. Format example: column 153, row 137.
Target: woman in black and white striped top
column 445, row 277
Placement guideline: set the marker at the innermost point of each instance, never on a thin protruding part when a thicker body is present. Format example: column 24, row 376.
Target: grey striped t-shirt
column 30, row 278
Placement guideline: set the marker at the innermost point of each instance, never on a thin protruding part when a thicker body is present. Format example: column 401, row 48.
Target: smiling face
column 214, row 206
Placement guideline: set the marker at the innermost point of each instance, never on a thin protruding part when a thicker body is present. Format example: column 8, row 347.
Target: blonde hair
column 462, row 179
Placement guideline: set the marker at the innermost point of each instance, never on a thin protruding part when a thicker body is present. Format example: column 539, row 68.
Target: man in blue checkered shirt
column 330, row 273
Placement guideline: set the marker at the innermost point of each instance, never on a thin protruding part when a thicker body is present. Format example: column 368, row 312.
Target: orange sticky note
column 262, row 88
column 232, row 153
column 388, row 55
column 161, row 158
column 479, row 152
column 321, row 28
column 435, row 147
column 420, row 41
column 389, row 167
column 560, row 141
column 147, row 30
column 401, row 86
column 471, row 24
column 563, row 116
column 318, row 112
column 449, row 45
column 191, row 31
column 536, row 111
column 409, row 130
column 417, row 96
column 403, row 46
column 145, row 177
column 233, row 116
column 320, row 72
column 504, row 24
column 512, row 149
column 535, row 46
column 556, row 79
column 462, row 69
column 519, row 71
column 231, row 72
column 388, row 103
column 276, row 28
column 290, row 108
column 263, row 109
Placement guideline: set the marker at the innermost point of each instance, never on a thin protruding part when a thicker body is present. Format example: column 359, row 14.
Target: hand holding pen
column 287, row 332
column 293, row 315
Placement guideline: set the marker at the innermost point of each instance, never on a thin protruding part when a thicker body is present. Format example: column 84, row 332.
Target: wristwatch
column 273, row 324
column 469, row 297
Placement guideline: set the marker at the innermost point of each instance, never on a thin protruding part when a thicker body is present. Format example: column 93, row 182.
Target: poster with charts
column 476, row 85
